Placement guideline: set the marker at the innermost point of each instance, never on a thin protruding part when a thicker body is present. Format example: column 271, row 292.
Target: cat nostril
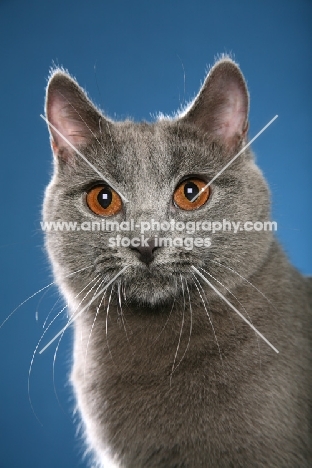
column 146, row 252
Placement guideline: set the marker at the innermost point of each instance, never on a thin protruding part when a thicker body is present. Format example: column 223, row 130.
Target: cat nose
column 146, row 253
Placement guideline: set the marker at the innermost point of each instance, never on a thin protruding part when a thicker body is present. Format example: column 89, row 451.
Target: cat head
column 144, row 177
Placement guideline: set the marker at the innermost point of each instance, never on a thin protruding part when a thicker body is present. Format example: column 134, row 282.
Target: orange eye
column 104, row 201
column 187, row 190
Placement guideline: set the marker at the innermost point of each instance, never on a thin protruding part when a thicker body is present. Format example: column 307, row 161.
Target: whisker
column 82, row 310
column 124, row 292
column 93, row 323
column 163, row 328
column 59, row 341
column 180, row 335
column 245, row 279
column 191, row 325
column 26, row 300
column 38, row 344
column 106, row 326
column 50, row 312
column 234, row 308
column 233, row 295
column 38, row 305
column 38, row 292
column 119, row 307
column 196, row 282
column 123, row 318
column 53, row 376
column 230, row 317
column 66, row 305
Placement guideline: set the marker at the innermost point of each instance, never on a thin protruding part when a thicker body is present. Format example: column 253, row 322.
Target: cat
column 165, row 373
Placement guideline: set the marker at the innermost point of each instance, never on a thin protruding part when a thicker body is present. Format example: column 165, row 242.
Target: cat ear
column 72, row 114
column 221, row 106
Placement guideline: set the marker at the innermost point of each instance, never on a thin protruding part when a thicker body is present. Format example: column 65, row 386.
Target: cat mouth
column 149, row 283
column 153, row 284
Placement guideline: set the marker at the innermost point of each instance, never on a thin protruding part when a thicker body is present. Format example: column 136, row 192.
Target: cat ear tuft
column 222, row 104
column 69, row 110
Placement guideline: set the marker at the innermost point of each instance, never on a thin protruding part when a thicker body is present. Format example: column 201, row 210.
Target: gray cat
column 164, row 371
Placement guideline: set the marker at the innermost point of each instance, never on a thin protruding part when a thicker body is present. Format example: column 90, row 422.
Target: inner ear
column 70, row 111
column 221, row 106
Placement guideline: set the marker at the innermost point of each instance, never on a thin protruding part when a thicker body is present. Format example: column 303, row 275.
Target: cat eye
column 187, row 190
column 104, row 201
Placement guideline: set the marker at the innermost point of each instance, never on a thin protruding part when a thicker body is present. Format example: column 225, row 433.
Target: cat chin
column 150, row 306
column 150, row 297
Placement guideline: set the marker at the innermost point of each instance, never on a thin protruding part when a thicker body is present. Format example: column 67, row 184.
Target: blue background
column 135, row 58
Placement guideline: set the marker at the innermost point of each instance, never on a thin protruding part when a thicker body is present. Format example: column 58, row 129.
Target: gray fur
column 231, row 400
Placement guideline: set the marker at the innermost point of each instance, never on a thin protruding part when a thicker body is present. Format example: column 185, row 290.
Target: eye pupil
column 191, row 194
column 190, row 190
column 105, row 197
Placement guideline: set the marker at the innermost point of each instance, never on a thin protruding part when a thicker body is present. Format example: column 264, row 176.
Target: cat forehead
column 160, row 153
column 164, row 144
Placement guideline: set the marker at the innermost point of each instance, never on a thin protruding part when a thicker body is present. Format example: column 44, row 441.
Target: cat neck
column 140, row 339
